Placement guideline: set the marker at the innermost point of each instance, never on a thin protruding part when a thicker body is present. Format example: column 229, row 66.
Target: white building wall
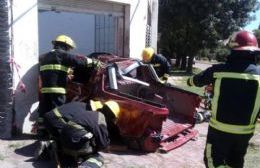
column 138, row 23
column 154, row 23
column 25, row 53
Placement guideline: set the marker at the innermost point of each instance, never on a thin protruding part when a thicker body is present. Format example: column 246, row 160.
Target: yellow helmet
column 114, row 107
column 96, row 105
column 147, row 54
column 65, row 39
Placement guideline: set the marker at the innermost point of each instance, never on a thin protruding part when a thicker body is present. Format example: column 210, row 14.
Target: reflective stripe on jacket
column 54, row 68
column 76, row 121
column 225, row 120
column 236, row 99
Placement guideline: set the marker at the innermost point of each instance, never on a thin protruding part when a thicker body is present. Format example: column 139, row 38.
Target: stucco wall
column 25, row 53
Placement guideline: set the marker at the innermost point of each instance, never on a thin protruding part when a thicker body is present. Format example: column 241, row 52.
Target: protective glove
column 98, row 64
column 70, row 74
column 189, row 81
column 164, row 78
column 93, row 63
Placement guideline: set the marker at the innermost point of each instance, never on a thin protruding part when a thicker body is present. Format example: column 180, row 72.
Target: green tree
column 188, row 26
column 257, row 34
column 221, row 53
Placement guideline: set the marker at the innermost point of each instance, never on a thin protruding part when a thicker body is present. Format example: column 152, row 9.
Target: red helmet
column 244, row 40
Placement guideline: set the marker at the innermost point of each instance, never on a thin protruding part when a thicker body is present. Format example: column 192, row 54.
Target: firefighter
column 82, row 132
column 159, row 62
column 236, row 102
column 54, row 70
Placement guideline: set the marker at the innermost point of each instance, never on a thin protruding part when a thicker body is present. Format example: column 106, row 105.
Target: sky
column 254, row 24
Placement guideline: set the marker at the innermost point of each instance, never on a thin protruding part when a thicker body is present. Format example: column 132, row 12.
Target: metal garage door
column 98, row 25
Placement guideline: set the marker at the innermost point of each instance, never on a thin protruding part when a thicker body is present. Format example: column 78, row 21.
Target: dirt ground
column 19, row 153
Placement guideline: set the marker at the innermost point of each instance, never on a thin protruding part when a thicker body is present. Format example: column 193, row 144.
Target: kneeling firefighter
column 80, row 130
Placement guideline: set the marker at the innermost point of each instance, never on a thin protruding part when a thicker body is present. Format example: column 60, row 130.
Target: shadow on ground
column 28, row 152
column 180, row 73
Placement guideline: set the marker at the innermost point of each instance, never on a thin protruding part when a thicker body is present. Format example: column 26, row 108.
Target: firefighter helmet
column 113, row 107
column 147, row 54
column 66, row 40
column 109, row 107
column 244, row 40
column 95, row 105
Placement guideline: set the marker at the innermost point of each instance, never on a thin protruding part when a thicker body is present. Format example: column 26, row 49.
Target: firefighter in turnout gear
column 159, row 63
column 81, row 131
column 236, row 102
column 54, row 70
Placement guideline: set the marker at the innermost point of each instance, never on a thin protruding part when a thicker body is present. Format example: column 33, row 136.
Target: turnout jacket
column 72, row 121
column 54, row 68
column 236, row 100
column 161, row 65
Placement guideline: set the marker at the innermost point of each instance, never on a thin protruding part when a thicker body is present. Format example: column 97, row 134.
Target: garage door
column 94, row 25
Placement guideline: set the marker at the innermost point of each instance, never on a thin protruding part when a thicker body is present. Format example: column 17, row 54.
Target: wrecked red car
column 154, row 116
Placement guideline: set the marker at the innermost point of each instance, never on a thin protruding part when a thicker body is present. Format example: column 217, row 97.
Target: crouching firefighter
column 235, row 104
column 80, row 133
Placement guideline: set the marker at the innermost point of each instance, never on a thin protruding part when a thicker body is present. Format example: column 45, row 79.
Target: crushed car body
column 154, row 116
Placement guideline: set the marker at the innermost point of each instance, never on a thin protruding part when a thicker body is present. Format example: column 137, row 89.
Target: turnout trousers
column 48, row 101
column 225, row 149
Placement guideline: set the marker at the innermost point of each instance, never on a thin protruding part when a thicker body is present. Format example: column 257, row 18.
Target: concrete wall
column 25, row 53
